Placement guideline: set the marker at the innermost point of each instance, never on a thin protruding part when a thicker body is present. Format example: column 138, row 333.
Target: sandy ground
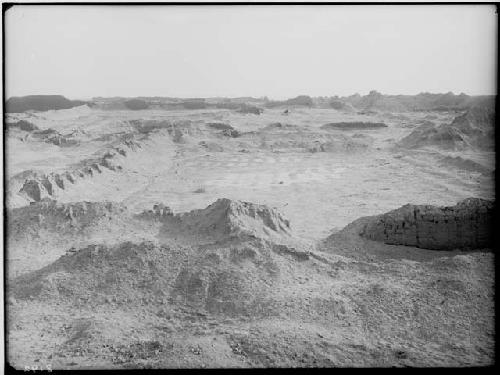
column 350, row 184
column 356, row 303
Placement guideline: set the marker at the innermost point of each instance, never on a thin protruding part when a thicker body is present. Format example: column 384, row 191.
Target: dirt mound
column 280, row 126
column 226, row 129
column 54, row 137
column 250, row 109
column 96, row 271
column 231, row 274
column 50, row 214
column 40, row 186
column 131, row 305
column 23, row 125
column 36, row 186
column 337, row 104
column 46, row 135
column 234, row 280
column 159, row 212
column 180, row 131
column 227, row 219
column 211, row 146
column 474, row 129
column 341, row 144
column 219, row 126
column 478, row 124
column 341, row 106
column 40, row 103
column 442, row 136
column 301, row 100
column 42, row 231
column 467, row 225
column 356, row 125
column 466, row 165
column 148, row 126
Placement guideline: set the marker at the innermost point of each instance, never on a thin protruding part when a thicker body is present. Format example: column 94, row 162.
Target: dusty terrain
column 170, row 237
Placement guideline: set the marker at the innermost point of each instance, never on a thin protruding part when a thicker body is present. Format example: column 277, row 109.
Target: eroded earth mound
column 236, row 297
column 473, row 129
column 39, row 233
column 234, row 219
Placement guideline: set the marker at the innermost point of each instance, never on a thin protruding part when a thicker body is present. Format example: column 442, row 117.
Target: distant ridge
column 363, row 104
column 19, row 104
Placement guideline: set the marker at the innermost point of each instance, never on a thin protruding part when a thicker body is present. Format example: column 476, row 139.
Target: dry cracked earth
column 211, row 238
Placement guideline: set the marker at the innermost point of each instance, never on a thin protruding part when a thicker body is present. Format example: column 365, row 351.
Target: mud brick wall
column 468, row 225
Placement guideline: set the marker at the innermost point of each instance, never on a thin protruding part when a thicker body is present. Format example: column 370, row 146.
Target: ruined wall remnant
column 467, row 225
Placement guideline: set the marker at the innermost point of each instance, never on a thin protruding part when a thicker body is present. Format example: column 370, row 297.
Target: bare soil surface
column 249, row 267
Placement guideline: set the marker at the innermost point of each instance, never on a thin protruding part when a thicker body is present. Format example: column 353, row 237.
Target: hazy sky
column 278, row 51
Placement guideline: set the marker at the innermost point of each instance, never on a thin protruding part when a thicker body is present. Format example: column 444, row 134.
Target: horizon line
column 262, row 97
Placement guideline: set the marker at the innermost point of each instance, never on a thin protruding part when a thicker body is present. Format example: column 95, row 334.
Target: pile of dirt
column 242, row 297
column 179, row 131
column 280, row 126
column 43, row 231
column 40, row 103
column 219, row 126
column 159, row 212
column 48, row 214
column 250, row 109
column 341, row 106
column 226, row 129
column 376, row 101
column 355, row 125
column 301, row 100
column 49, row 135
column 228, row 219
column 471, row 130
column 441, row 136
column 478, row 124
column 211, row 146
column 339, row 145
column 234, row 274
column 54, row 137
column 232, row 280
column 465, row 226
column 221, row 222
column 466, row 165
column 23, row 125
column 149, row 126
column 337, row 104
column 37, row 186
